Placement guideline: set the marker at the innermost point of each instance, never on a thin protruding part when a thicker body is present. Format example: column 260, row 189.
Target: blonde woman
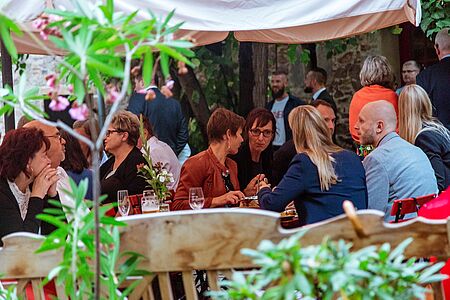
column 417, row 126
column 320, row 177
column 377, row 79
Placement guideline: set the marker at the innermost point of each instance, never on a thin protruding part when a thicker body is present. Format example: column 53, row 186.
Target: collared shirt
column 21, row 198
column 445, row 56
column 161, row 152
column 316, row 94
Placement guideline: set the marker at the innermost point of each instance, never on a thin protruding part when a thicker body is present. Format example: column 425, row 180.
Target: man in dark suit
column 436, row 78
column 315, row 81
column 281, row 106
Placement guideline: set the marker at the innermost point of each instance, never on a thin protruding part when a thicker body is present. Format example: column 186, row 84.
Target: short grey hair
column 442, row 40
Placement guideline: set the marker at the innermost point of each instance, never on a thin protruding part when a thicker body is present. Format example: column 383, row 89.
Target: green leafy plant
column 154, row 174
column 77, row 244
column 435, row 16
column 330, row 271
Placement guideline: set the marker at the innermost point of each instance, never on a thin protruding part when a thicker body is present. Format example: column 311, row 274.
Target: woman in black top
column 417, row 126
column 255, row 154
column 26, row 178
column 120, row 172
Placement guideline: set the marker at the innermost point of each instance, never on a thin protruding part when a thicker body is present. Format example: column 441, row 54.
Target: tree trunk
column 197, row 99
column 261, row 74
column 246, row 78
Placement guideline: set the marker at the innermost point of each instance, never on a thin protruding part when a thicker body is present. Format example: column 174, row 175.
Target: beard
column 277, row 94
column 367, row 138
column 308, row 89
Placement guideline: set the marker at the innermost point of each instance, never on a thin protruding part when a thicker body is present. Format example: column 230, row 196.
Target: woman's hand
column 44, row 181
column 232, row 197
column 252, row 187
column 263, row 184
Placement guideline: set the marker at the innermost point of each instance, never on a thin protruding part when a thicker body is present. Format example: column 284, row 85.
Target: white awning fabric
column 268, row 21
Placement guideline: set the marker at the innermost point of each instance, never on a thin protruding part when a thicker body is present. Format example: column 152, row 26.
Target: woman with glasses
column 120, row 172
column 320, row 177
column 212, row 169
column 255, row 154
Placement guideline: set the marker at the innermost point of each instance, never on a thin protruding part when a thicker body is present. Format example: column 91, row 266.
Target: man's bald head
column 375, row 120
column 57, row 150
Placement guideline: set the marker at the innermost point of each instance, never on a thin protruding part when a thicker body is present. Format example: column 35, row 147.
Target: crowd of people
column 285, row 153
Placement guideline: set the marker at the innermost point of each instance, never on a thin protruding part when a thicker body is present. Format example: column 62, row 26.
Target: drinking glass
column 196, row 199
column 149, row 202
column 123, row 202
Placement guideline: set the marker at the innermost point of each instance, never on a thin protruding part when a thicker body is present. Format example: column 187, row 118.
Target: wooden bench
column 211, row 240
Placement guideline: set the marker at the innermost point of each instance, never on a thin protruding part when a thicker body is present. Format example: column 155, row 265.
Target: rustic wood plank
column 60, row 292
column 38, row 289
column 212, row 280
column 141, row 288
column 189, row 285
column 21, row 288
column 228, row 274
column 164, row 285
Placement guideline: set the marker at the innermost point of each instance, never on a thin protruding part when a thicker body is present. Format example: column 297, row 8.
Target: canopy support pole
column 7, row 79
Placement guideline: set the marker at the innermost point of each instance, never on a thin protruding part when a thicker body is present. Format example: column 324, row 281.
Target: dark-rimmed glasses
column 256, row 132
column 109, row 132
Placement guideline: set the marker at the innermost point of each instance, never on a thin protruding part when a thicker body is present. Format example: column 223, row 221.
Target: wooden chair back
column 402, row 207
column 211, row 240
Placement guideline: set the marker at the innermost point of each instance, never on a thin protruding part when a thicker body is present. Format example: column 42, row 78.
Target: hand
column 263, row 184
column 252, row 188
column 43, row 181
column 232, row 197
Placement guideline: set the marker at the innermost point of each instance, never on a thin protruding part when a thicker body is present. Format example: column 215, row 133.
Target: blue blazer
column 301, row 184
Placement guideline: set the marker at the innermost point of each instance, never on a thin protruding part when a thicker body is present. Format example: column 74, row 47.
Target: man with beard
column 281, row 106
column 315, row 81
column 396, row 169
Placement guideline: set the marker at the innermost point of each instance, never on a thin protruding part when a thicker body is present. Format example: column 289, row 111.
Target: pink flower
column 79, row 112
column 169, row 84
column 59, row 104
column 70, row 88
column 51, row 81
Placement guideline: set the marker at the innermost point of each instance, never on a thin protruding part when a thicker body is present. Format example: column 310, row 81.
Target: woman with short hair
column 211, row 169
column 120, row 172
column 418, row 126
column 320, row 177
column 377, row 80
column 255, row 155
column 26, row 180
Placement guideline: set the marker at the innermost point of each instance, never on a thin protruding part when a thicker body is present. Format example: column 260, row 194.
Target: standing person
column 417, row 126
column 320, row 177
column 212, row 169
column 377, row 80
column 315, row 82
column 255, row 154
column 395, row 169
column 435, row 79
column 281, row 106
column 164, row 114
column 283, row 156
column 120, row 172
column 27, row 179
column 410, row 69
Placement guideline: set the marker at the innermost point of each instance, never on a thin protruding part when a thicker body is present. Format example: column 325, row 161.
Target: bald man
column 436, row 78
column 396, row 169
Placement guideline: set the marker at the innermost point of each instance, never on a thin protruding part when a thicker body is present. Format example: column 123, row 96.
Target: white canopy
column 268, row 21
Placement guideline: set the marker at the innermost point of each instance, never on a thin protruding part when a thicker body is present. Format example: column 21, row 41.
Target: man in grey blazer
column 396, row 169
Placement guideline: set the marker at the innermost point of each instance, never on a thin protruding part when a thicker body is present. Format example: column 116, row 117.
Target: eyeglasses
column 57, row 136
column 256, row 132
column 109, row 132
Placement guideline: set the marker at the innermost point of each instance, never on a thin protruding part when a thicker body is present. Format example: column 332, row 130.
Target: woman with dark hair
column 24, row 163
column 255, row 155
column 212, row 169
column 75, row 164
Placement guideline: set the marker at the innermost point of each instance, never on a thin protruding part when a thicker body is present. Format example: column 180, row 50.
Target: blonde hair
column 312, row 137
column 126, row 121
column 377, row 70
column 415, row 111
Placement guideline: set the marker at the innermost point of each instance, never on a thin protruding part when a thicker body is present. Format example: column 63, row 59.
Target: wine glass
column 123, row 202
column 196, row 199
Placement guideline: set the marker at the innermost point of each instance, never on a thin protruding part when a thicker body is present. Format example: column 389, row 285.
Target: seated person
column 211, row 169
column 26, row 180
column 283, row 156
column 255, row 154
column 395, row 169
column 417, row 126
column 120, row 172
column 160, row 152
column 320, row 177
